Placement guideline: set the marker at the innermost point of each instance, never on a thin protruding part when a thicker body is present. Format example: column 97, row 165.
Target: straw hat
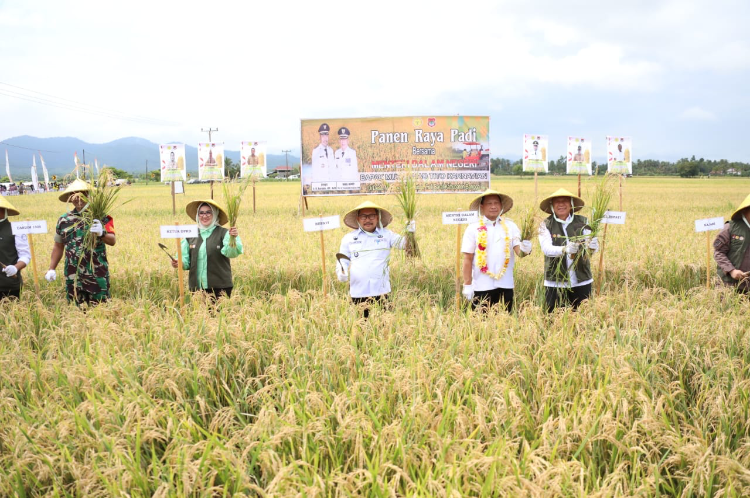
column 505, row 200
column 546, row 202
column 77, row 186
column 738, row 212
column 5, row 204
column 350, row 218
column 192, row 210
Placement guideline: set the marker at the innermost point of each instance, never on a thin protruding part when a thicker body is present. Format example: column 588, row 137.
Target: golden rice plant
column 233, row 198
column 405, row 190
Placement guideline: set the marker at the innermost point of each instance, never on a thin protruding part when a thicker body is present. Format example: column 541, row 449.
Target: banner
column 28, row 227
column 460, row 217
column 46, row 175
column 535, row 153
column 172, row 159
column 7, row 167
column 579, row 156
column 321, row 223
column 709, row 224
column 446, row 154
column 211, row 161
column 620, row 155
column 34, row 176
column 75, row 159
column 253, row 159
column 96, row 166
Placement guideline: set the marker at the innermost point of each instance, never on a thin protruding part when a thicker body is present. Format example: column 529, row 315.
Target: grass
column 280, row 392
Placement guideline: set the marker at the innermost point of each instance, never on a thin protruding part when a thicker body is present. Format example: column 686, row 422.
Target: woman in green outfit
column 207, row 256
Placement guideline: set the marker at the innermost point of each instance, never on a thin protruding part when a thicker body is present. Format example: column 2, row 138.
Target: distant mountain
column 129, row 154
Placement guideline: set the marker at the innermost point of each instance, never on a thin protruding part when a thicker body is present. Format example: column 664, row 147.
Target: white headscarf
column 214, row 219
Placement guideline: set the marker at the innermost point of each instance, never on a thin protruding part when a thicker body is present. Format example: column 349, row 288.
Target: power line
column 38, row 150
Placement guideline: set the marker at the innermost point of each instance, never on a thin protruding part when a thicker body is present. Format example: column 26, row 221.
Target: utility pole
column 146, row 171
column 286, row 153
column 209, row 131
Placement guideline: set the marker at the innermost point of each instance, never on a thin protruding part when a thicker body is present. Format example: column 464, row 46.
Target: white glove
column 10, row 270
column 51, row 276
column 594, row 244
column 571, row 247
column 341, row 274
column 526, row 246
column 411, row 226
column 468, row 292
column 97, row 228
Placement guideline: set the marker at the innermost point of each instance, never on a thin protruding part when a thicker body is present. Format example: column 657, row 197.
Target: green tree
column 231, row 168
column 688, row 168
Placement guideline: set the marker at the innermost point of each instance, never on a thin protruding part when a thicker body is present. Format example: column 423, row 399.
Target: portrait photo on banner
column 172, row 162
column 253, row 159
column 620, row 155
column 350, row 156
column 211, row 161
column 536, row 153
column 579, row 156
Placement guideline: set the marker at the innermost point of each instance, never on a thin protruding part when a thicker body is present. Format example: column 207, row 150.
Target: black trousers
column 369, row 300
column 486, row 299
column 216, row 293
column 10, row 293
column 566, row 296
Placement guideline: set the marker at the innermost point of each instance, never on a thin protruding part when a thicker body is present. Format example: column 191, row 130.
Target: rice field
column 279, row 391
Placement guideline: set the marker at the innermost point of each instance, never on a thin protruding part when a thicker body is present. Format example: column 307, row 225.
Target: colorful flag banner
column 34, row 177
column 7, row 167
column 44, row 170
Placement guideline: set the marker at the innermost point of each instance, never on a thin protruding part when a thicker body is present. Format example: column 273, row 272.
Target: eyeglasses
column 368, row 216
column 205, row 213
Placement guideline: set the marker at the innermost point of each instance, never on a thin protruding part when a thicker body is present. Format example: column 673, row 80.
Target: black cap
column 324, row 129
column 535, row 142
column 344, row 132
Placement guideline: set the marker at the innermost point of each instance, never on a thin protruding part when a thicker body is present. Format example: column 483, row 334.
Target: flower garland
column 482, row 250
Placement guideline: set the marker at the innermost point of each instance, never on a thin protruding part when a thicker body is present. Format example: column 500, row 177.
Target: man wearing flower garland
column 367, row 249
column 488, row 248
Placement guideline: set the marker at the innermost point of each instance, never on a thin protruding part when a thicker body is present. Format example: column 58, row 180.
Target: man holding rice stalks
column 14, row 253
column 489, row 248
column 566, row 241
column 732, row 249
column 83, row 241
column 365, row 251
column 207, row 256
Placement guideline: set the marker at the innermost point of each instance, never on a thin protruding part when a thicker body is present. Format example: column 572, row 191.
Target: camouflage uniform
column 86, row 271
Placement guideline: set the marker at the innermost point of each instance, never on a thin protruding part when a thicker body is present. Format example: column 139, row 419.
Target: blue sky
column 671, row 74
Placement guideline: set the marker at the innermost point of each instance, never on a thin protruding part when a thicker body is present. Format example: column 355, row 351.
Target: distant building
column 282, row 172
column 732, row 171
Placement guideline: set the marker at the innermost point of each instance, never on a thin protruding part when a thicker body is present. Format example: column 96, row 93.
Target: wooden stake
column 459, row 277
column 536, row 189
column 620, row 192
column 212, row 190
column 33, row 262
column 254, row 180
column 323, row 260
column 708, row 260
column 579, row 185
column 601, row 262
column 174, row 206
column 180, row 271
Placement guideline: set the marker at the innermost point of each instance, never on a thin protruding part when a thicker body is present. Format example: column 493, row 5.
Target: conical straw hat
column 192, row 210
column 5, row 204
column 505, row 200
column 77, row 186
column 546, row 204
column 738, row 212
column 350, row 218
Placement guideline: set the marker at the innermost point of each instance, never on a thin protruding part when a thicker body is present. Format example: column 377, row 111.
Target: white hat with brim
column 546, row 204
column 505, row 200
column 738, row 212
column 192, row 210
column 76, row 187
column 9, row 209
column 350, row 218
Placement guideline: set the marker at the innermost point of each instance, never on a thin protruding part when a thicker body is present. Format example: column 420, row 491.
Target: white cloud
column 697, row 114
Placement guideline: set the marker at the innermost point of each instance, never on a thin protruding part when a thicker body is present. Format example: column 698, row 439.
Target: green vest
column 218, row 267
column 8, row 256
column 575, row 229
column 739, row 241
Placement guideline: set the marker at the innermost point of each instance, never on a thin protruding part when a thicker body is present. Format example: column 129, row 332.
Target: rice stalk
column 529, row 223
column 405, row 190
column 233, row 198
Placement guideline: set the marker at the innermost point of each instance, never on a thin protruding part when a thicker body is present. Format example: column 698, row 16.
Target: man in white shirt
column 322, row 157
column 535, row 154
column 346, row 159
column 368, row 247
column 14, row 253
column 489, row 248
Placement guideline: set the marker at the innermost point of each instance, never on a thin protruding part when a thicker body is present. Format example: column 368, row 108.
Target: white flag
column 7, row 167
column 46, row 175
column 75, row 158
column 96, row 165
column 34, row 177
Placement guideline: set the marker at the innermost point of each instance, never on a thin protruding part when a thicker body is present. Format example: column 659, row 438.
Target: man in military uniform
column 732, row 249
column 322, row 157
column 86, row 268
column 346, row 159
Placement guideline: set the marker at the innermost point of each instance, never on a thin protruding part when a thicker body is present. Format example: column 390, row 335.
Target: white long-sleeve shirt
column 495, row 253
column 22, row 248
column 553, row 251
column 368, row 266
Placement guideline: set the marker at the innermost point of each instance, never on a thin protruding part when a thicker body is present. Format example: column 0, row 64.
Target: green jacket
column 575, row 229
column 207, row 258
column 739, row 243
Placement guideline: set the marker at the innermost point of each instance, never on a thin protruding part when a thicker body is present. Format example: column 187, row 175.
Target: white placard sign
column 709, row 224
column 28, row 227
column 460, row 217
column 178, row 188
column 614, row 218
column 178, row 231
column 321, row 223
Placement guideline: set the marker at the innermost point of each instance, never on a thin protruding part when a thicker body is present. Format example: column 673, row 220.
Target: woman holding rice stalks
column 567, row 278
column 489, row 248
column 83, row 240
column 207, row 256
